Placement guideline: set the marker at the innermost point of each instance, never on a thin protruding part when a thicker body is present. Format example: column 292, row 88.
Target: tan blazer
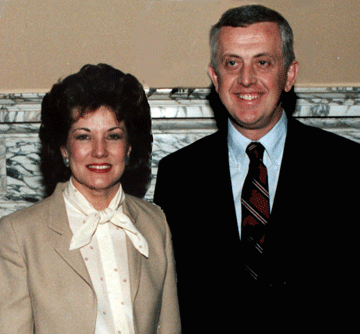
column 46, row 289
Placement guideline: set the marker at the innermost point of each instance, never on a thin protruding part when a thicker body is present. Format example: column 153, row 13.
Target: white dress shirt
column 273, row 142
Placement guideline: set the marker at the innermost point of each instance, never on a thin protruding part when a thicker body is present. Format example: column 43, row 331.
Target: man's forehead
column 270, row 28
column 258, row 35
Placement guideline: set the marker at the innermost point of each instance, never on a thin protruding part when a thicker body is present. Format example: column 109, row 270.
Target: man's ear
column 213, row 76
column 291, row 75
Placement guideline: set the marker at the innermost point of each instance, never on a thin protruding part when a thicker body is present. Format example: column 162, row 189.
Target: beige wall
column 164, row 43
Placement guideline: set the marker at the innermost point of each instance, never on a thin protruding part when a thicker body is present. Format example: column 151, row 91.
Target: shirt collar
column 273, row 141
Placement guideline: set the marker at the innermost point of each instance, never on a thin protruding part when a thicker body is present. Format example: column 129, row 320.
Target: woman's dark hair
column 92, row 87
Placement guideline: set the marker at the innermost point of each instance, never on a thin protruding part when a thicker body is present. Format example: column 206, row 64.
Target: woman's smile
column 99, row 168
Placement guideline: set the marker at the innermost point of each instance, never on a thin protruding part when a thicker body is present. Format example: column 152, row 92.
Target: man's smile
column 249, row 97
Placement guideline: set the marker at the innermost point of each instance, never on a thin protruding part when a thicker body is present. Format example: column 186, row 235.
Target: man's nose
column 247, row 76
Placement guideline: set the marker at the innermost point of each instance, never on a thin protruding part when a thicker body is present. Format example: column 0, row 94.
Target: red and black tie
column 255, row 208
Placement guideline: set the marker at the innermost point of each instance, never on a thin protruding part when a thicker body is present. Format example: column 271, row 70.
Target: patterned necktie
column 255, row 208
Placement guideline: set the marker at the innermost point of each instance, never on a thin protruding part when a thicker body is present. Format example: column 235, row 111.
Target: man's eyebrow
column 262, row 54
column 230, row 55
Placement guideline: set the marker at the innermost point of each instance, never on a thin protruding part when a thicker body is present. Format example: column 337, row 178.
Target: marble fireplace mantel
column 180, row 116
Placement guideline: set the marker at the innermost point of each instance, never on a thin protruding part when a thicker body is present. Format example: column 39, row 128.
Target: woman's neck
column 100, row 199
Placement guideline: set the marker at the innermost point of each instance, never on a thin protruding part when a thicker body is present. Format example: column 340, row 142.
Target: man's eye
column 231, row 63
column 264, row 63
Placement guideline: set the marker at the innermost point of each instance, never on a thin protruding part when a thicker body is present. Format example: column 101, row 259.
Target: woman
column 90, row 259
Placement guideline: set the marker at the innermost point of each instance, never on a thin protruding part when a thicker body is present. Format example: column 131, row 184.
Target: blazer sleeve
column 169, row 322
column 15, row 305
column 160, row 186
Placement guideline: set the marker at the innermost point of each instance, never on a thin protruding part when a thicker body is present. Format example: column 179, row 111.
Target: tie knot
column 255, row 151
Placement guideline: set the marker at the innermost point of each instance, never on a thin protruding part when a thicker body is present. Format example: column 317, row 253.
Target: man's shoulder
column 326, row 139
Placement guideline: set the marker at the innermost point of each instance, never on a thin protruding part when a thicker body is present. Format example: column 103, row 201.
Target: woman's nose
column 99, row 148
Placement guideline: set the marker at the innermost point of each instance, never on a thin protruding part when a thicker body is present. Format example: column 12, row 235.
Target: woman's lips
column 99, row 168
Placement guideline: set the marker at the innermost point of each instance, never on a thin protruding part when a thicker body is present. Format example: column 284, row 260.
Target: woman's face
column 97, row 147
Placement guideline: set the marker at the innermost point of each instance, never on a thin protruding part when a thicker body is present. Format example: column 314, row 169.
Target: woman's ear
column 64, row 152
column 65, row 156
column 127, row 158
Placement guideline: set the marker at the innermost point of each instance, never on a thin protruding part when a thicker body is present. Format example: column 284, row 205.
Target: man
column 284, row 251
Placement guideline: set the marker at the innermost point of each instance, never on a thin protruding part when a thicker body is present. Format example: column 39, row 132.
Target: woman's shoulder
column 142, row 205
column 147, row 217
column 34, row 214
column 28, row 214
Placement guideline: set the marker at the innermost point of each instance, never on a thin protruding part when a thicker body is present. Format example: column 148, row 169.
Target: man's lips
column 249, row 97
column 99, row 168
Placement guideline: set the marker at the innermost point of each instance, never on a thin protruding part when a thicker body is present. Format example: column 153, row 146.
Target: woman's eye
column 82, row 137
column 115, row 136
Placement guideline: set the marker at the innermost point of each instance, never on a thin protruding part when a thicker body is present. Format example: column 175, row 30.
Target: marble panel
column 22, row 169
column 2, row 166
column 19, row 128
column 180, row 117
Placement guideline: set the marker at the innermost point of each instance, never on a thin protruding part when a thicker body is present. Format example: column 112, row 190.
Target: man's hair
column 246, row 15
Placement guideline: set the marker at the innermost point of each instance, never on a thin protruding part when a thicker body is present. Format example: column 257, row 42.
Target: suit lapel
column 223, row 193
column 291, row 168
column 58, row 222
column 283, row 232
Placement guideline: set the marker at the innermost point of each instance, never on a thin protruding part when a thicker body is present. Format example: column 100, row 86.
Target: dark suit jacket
column 311, row 264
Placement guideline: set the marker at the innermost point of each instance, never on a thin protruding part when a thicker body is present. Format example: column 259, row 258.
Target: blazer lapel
column 134, row 257
column 58, row 222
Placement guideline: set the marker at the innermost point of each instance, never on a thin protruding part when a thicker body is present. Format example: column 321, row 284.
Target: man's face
column 251, row 76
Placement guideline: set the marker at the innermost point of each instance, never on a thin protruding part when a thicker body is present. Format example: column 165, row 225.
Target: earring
column 66, row 161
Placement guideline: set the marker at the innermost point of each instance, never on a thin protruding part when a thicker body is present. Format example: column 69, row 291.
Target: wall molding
column 192, row 103
column 180, row 116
